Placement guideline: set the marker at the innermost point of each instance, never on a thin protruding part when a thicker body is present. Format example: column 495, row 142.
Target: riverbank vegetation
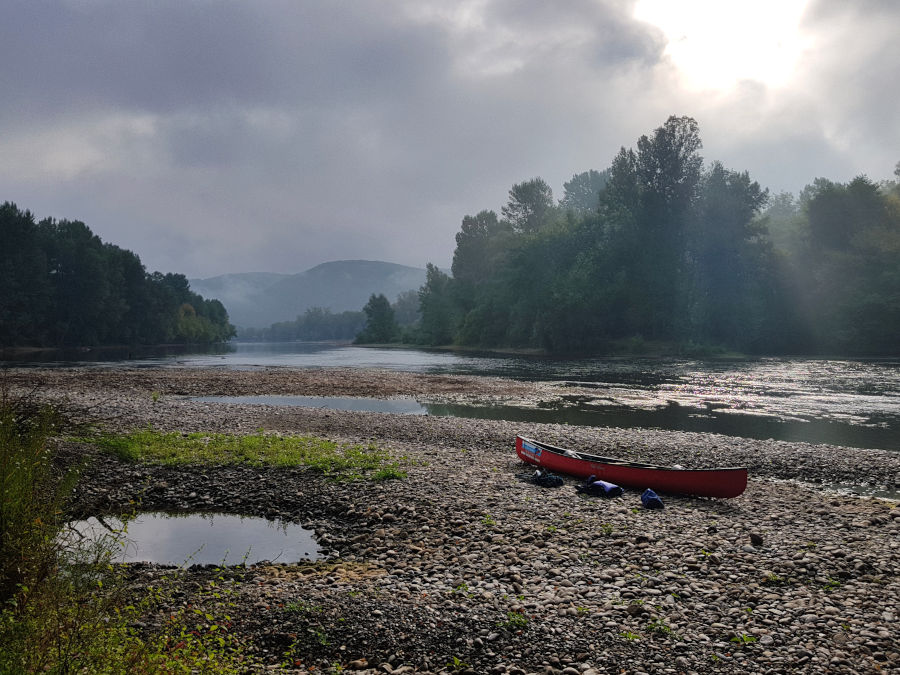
column 659, row 248
column 60, row 285
column 63, row 607
column 336, row 460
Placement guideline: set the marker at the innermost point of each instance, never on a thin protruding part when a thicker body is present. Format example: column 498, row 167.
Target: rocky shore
column 466, row 567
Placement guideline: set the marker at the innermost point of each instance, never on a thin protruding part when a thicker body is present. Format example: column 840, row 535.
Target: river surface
column 844, row 402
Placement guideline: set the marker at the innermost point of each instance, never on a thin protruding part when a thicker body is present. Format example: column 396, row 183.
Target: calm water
column 205, row 539
column 855, row 403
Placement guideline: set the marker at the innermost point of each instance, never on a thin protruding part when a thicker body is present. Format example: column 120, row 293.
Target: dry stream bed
column 464, row 567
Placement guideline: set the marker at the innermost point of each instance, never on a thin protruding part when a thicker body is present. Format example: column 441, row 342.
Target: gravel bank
column 464, row 566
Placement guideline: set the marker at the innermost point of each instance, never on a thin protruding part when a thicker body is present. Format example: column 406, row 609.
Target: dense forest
column 660, row 248
column 60, row 285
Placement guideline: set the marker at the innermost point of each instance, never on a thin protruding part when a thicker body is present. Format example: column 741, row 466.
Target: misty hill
column 257, row 300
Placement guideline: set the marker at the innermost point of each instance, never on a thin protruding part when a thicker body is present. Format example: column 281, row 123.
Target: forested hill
column 60, row 285
column 660, row 247
column 259, row 300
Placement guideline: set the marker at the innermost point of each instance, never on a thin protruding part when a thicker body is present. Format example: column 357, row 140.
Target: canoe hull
column 719, row 482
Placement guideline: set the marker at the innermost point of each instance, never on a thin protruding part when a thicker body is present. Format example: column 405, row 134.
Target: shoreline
column 430, row 573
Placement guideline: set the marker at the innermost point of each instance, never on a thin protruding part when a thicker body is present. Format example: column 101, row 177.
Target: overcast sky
column 217, row 136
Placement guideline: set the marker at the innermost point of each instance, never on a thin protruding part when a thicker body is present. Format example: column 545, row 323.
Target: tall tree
column 726, row 255
column 25, row 290
column 439, row 316
column 406, row 308
column 668, row 170
column 381, row 326
column 853, row 266
column 474, row 246
column 582, row 192
column 530, row 205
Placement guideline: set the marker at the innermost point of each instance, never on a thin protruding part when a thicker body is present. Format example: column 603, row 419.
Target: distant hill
column 257, row 300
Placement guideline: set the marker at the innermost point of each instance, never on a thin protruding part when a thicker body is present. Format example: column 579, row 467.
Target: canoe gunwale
column 623, row 462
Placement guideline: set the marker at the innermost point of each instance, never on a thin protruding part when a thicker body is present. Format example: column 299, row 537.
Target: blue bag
column 651, row 500
column 602, row 488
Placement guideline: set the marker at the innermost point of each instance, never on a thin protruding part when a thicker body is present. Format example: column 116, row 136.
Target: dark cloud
column 237, row 136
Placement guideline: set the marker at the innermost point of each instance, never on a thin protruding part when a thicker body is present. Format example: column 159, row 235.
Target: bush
column 32, row 494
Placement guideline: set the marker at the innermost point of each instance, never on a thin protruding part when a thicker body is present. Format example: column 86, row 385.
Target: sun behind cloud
column 715, row 44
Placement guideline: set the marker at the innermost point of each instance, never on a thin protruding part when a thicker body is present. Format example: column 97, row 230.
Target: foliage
column 514, row 621
column 32, row 494
column 381, row 326
column 63, row 606
column 321, row 455
column 316, row 324
column 660, row 250
column 582, row 192
column 529, row 205
column 743, row 639
column 439, row 314
column 60, row 285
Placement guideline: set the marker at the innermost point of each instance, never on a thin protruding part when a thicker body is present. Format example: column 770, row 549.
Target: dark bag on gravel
column 547, row 479
column 599, row 488
column 651, row 500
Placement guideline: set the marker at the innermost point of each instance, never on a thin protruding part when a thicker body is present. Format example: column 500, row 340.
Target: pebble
column 419, row 576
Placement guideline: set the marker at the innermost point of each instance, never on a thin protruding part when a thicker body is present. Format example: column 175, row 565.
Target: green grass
column 743, row 639
column 339, row 461
column 514, row 621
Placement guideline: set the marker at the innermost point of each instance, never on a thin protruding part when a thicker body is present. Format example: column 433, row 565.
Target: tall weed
column 64, row 607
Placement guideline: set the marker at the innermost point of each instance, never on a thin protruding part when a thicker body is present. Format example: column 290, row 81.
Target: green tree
column 60, row 285
column 406, row 308
column 381, row 326
column 26, row 294
column 530, row 205
column 727, row 254
column 851, row 273
column 669, row 168
column 582, row 193
column 439, row 316
column 81, row 287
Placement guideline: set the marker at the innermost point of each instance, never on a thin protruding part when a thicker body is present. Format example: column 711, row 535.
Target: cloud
column 214, row 136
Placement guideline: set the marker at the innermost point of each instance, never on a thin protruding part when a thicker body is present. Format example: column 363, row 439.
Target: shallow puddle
column 192, row 539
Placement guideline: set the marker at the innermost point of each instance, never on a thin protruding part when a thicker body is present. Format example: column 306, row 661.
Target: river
column 844, row 402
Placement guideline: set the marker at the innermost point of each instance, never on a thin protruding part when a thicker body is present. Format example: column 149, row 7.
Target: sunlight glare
column 717, row 43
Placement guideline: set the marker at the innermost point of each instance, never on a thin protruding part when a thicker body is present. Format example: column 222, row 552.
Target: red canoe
column 723, row 482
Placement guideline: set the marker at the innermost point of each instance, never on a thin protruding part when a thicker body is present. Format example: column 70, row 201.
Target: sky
column 223, row 136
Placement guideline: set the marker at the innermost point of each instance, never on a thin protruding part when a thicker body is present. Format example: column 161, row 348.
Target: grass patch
column 339, row 461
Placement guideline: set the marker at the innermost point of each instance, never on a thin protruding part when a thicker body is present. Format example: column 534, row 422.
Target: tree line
column 380, row 321
column 60, row 285
column 659, row 247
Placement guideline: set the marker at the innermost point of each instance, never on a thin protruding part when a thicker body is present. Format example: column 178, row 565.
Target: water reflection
column 855, row 403
column 586, row 411
column 203, row 539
